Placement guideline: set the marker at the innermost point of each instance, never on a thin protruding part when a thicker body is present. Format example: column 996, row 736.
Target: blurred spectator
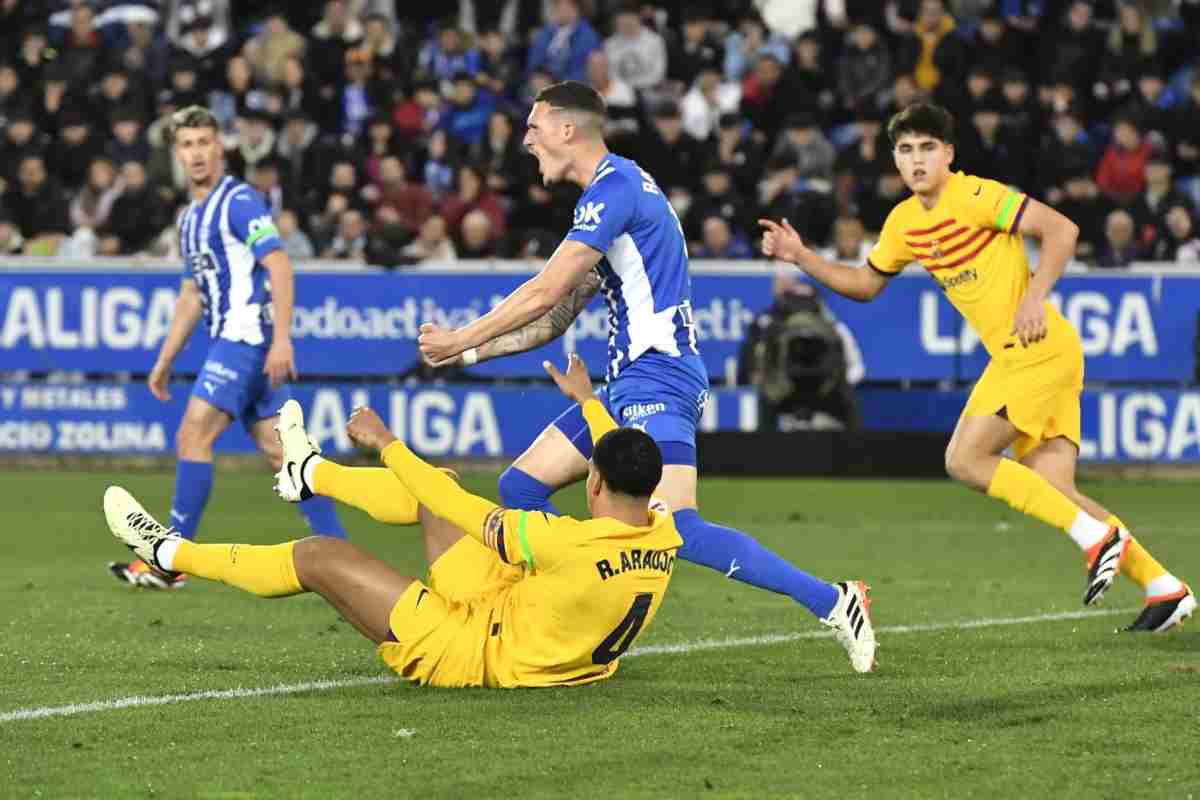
column 1065, row 152
column 116, row 93
column 82, row 47
column 183, row 16
column 401, row 202
column 563, row 45
column 360, row 95
column 72, row 153
column 1185, row 132
column 472, row 193
column 932, row 51
column 718, row 241
column 38, row 207
column 803, row 148
column 266, row 180
column 1074, row 50
column 35, row 56
column 295, row 241
column 865, row 68
column 668, row 153
column 336, row 33
column 1120, row 247
column 92, row 205
column 420, row 113
column 738, row 152
column 696, row 50
column 903, row 93
column 807, row 79
column 1083, row 204
column 622, row 119
column 985, row 149
column 54, row 96
column 502, row 155
column 432, row 244
column 764, row 99
column 1150, row 209
column 13, row 96
column 476, row 237
column 1122, row 171
column 138, row 214
column 858, row 167
column 874, row 206
column 447, row 55
column 206, row 46
column 502, row 65
column 850, row 245
column 719, row 197
column 269, row 51
column 394, row 63
column 1132, row 41
column 702, row 107
column 994, row 45
column 350, row 242
column 439, row 166
column 636, row 54
column 300, row 93
column 297, row 151
column 185, row 84
column 466, row 119
column 324, row 219
column 1179, row 243
column 746, row 47
column 21, row 138
column 1152, row 105
column 11, row 241
column 255, row 142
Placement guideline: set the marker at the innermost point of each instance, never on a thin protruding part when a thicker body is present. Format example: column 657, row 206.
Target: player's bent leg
column 1056, row 460
column 558, row 457
column 363, row 589
column 318, row 512
column 439, row 535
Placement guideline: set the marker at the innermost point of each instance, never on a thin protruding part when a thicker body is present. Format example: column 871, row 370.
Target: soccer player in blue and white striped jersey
column 238, row 278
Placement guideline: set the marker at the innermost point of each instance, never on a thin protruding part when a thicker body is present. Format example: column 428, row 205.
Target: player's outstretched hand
column 438, row 346
column 576, row 384
column 367, row 430
column 781, row 241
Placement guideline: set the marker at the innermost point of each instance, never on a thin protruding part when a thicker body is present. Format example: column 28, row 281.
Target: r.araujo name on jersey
column 624, row 215
column 223, row 240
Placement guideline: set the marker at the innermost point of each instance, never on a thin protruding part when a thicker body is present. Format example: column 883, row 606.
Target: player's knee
column 958, row 465
column 312, row 558
column 191, row 441
column 518, row 488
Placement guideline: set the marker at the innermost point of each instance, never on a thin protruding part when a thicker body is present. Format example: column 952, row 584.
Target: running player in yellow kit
column 515, row 598
column 966, row 232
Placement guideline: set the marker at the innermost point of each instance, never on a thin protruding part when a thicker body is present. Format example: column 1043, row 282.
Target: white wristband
column 470, row 357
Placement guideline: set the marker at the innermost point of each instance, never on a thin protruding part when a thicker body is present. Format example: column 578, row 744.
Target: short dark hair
column 572, row 96
column 628, row 461
column 927, row 119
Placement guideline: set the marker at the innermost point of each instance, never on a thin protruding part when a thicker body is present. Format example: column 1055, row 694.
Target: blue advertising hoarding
column 1134, row 327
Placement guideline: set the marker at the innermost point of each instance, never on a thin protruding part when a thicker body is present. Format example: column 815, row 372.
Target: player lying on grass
column 378, row 492
column 967, row 233
column 514, row 598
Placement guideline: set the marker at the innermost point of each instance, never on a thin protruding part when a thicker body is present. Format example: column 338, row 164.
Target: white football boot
column 298, row 448
column 851, row 623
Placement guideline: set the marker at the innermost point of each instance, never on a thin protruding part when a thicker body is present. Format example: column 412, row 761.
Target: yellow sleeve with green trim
column 991, row 204
column 437, row 491
column 598, row 419
column 533, row 538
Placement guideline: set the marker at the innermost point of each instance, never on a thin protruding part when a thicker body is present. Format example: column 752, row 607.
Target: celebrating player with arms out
column 627, row 241
column 238, row 277
column 515, row 598
column 966, row 231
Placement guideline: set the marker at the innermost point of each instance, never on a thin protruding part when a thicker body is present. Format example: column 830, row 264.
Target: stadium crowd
column 390, row 133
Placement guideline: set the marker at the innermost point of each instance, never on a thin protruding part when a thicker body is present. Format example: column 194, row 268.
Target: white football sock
column 1086, row 531
column 164, row 554
column 306, row 474
column 1163, row 584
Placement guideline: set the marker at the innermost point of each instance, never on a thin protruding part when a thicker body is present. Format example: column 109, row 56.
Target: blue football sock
column 742, row 558
column 519, row 489
column 193, row 484
column 321, row 516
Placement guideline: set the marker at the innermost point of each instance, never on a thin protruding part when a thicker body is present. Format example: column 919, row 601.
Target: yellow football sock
column 1139, row 566
column 1031, row 494
column 264, row 570
column 375, row 490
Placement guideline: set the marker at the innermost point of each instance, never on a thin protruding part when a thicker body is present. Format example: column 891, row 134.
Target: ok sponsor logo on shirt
column 587, row 217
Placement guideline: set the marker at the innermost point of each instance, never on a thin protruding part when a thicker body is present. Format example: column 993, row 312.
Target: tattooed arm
column 546, row 328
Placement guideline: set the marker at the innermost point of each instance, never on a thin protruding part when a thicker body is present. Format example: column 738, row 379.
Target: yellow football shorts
column 441, row 628
column 1041, row 398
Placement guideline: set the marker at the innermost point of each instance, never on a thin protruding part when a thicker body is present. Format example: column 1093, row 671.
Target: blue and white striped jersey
column 624, row 215
column 223, row 240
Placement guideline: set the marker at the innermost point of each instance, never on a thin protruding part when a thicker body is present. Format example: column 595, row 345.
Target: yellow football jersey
column 968, row 242
column 590, row 588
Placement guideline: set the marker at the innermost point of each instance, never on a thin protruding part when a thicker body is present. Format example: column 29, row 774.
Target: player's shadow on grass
column 1041, row 704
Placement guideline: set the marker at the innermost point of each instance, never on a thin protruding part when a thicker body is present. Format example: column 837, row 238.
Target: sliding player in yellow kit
column 515, row 598
column 966, row 231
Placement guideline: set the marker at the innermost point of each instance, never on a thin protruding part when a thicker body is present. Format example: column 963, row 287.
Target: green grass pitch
column 1045, row 707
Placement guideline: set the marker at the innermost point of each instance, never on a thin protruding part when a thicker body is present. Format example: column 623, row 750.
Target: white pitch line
column 43, row 712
